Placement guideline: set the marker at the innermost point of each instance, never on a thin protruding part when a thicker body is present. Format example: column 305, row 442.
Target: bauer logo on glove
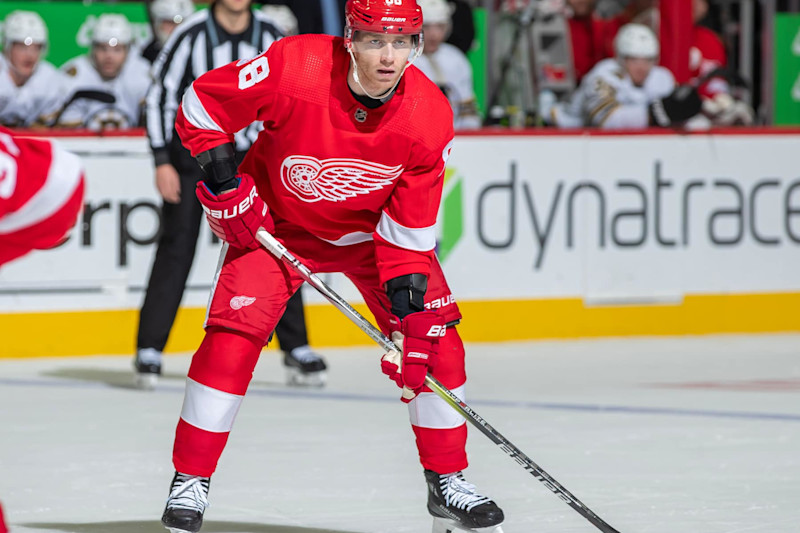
column 236, row 216
column 437, row 331
column 237, row 209
column 418, row 339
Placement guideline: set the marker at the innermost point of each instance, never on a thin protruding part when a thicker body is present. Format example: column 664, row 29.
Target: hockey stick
column 279, row 250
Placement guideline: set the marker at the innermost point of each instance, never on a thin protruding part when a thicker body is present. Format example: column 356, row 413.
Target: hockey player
column 629, row 90
column 348, row 175
column 41, row 194
column 107, row 87
column 283, row 18
column 31, row 89
column 165, row 16
column 446, row 65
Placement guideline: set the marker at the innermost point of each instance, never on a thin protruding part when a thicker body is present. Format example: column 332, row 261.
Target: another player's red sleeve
column 41, row 194
column 224, row 100
column 3, row 528
column 707, row 55
column 405, row 237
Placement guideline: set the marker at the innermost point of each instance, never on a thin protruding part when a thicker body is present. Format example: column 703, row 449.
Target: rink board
column 541, row 236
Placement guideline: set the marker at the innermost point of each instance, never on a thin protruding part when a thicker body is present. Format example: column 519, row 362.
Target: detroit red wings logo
column 334, row 180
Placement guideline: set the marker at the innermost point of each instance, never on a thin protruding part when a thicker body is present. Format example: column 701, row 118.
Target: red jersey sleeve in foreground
column 405, row 237
column 224, row 100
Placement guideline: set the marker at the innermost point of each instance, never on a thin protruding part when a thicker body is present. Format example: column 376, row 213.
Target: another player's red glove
column 418, row 338
column 236, row 216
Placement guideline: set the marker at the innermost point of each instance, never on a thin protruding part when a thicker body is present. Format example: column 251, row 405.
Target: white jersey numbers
column 255, row 71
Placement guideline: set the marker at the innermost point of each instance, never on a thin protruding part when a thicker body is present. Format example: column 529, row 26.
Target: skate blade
column 295, row 378
column 146, row 381
column 444, row 525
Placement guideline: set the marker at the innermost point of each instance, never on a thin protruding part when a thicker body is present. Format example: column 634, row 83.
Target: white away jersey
column 37, row 102
column 99, row 104
column 450, row 70
column 607, row 98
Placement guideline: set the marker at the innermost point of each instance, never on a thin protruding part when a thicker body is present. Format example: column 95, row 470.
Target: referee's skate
column 305, row 368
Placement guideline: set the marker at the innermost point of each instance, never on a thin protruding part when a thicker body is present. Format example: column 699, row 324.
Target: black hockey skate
column 188, row 499
column 148, row 367
column 305, row 367
column 456, row 506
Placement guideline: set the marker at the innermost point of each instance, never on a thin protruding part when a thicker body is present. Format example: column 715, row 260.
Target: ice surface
column 655, row 435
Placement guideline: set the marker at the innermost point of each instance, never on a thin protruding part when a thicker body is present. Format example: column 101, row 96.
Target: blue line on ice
column 327, row 395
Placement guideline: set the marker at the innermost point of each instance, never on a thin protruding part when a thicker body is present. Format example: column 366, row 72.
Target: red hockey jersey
column 41, row 192
column 325, row 162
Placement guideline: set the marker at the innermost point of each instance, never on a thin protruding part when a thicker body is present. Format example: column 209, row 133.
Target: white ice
column 655, row 435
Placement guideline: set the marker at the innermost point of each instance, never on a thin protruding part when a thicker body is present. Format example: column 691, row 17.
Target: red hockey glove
column 236, row 216
column 418, row 338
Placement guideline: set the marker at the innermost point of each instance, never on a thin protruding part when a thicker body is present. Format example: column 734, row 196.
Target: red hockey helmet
column 399, row 17
column 383, row 16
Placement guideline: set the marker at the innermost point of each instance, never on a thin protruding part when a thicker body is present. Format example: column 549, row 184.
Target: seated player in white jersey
column 446, row 65
column 31, row 89
column 282, row 17
column 628, row 91
column 107, row 86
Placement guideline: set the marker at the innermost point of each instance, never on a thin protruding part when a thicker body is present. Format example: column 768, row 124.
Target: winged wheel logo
column 334, row 180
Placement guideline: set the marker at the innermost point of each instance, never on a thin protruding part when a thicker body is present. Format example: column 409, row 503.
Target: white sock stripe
column 427, row 410
column 209, row 409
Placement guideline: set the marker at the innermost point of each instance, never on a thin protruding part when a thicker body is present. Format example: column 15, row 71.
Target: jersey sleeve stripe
column 416, row 239
column 63, row 178
column 196, row 114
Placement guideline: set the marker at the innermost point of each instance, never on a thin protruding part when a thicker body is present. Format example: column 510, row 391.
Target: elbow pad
column 219, row 166
column 407, row 294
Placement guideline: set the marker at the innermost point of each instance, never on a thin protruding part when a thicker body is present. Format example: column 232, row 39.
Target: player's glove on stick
column 418, row 339
column 235, row 216
column 680, row 106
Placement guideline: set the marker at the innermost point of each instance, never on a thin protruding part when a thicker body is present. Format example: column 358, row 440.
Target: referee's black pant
column 180, row 228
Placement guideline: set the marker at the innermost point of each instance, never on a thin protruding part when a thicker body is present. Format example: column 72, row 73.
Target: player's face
column 381, row 58
column 109, row 59
column 24, row 58
column 435, row 34
column 638, row 68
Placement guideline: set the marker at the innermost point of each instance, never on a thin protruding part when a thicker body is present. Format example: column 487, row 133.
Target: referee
column 225, row 32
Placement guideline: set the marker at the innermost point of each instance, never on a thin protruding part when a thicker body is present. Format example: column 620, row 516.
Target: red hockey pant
column 249, row 297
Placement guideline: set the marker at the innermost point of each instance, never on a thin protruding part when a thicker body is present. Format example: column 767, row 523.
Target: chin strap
column 358, row 81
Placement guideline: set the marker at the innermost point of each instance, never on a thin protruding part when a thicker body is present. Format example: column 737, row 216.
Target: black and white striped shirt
column 196, row 46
